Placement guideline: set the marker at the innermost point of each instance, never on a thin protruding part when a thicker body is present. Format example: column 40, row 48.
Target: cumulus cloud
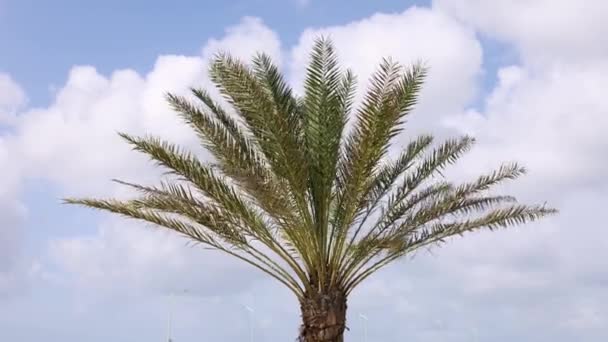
column 244, row 40
column 553, row 122
column 86, row 116
column 134, row 259
column 544, row 31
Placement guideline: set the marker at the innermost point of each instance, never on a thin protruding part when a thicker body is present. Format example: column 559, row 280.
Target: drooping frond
column 215, row 189
column 204, row 226
column 406, row 222
column 237, row 156
column 439, row 232
column 388, row 174
column 447, row 153
column 187, row 167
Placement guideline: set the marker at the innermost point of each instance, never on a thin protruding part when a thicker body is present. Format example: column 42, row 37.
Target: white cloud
column 86, row 116
column 553, row 122
column 245, row 40
column 130, row 258
column 544, row 31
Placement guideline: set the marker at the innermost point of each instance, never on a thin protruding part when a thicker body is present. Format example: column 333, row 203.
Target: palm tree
column 294, row 192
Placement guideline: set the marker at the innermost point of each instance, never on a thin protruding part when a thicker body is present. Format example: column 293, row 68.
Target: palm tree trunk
column 323, row 317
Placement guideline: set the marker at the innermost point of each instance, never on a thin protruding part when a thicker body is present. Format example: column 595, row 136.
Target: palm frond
column 271, row 130
column 325, row 106
column 391, row 97
column 439, row 232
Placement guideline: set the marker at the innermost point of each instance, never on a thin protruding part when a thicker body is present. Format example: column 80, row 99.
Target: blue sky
column 524, row 78
column 45, row 39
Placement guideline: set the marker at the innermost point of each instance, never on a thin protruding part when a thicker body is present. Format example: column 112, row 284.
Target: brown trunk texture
column 323, row 317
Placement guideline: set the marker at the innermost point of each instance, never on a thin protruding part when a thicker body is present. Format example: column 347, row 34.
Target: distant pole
column 364, row 320
column 169, row 317
column 250, row 312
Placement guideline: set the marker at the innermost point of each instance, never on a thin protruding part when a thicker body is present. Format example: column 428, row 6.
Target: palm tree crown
column 293, row 192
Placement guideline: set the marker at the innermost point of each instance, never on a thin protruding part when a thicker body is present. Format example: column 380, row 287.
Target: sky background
column 527, row 78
